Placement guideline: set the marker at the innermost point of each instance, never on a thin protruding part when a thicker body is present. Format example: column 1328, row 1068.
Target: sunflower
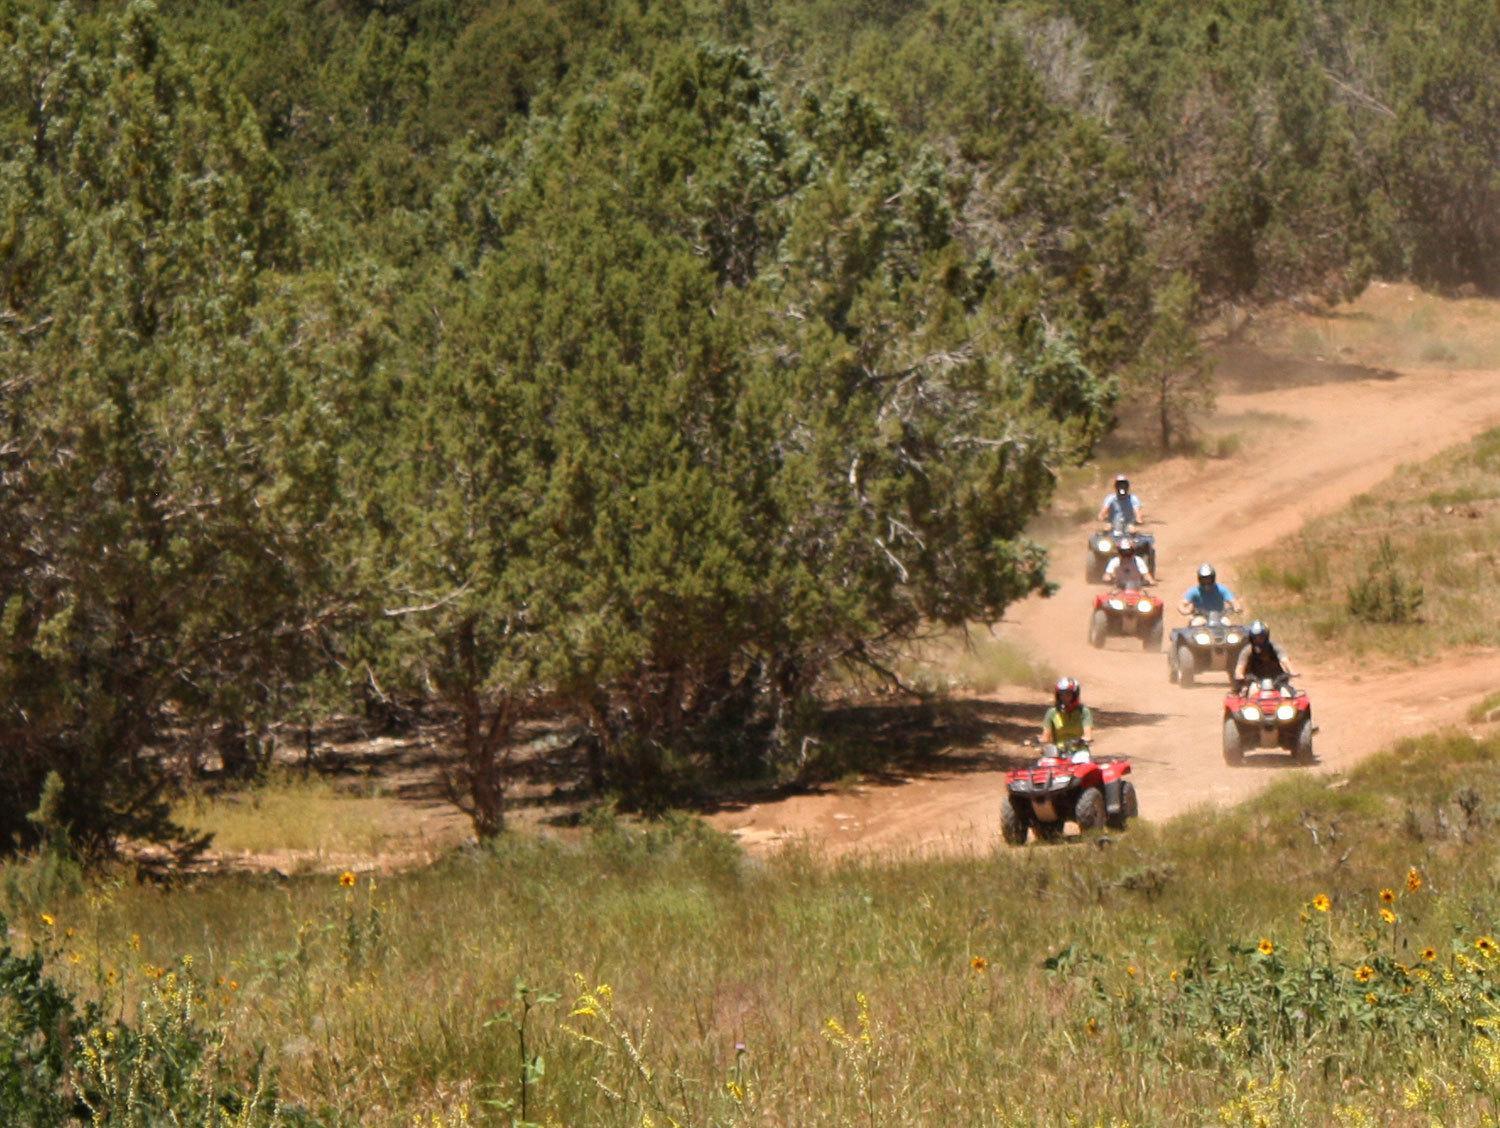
column 979, row 963
column 347, row 879
column 1413, row 880
column 1265, row 946
column 1486, row 944
column 1388, row 916
column 1322, row 903
column 1429, row 954
column 1364, row 973
column 1387, row 896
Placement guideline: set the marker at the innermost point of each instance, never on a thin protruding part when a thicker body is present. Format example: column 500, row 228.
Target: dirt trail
column 1343, row 439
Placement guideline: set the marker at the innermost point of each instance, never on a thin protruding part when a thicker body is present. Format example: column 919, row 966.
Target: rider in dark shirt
column 1262, row 658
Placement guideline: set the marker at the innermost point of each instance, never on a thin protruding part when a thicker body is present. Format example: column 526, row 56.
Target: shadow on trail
column 1245, row 368
column 896, row 743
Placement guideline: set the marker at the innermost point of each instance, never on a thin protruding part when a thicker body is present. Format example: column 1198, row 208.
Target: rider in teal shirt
column 1208, row 596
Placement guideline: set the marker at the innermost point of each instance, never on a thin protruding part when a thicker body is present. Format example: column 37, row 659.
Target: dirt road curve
column 1344, row 438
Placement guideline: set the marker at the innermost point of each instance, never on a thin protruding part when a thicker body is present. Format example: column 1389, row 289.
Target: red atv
column 1126, row 612
column 1066, row 785
column 1264, row 711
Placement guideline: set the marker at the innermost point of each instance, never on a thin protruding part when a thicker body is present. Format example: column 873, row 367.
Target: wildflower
column 48, row 919
column 1413, row 880
column 1387, row 896
column 1388, row 916
column 1486, row 944
column 979, row 963
column 1091, row 1027
column 1265, row 946
column 150, row 971
column 735, row 1090
column 1364, row 973
column 135, row 941
column 1322, row 903
column 347, row 879
column 234, row 985
column 1370, row 999
column 1429, row 954
column 1175, row 975
column 1132, row 971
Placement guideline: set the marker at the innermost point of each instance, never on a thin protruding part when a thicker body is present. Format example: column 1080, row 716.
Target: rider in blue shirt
column 1121, row 503
column 1208, row 596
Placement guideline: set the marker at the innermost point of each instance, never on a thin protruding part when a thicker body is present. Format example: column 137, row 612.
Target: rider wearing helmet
column 1262, row 658
column 1208, row 595
column 1121, row 504
column 1069, row 718
column 1127, row 570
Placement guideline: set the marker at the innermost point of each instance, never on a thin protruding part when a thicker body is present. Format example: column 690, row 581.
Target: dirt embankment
column 1319, row 433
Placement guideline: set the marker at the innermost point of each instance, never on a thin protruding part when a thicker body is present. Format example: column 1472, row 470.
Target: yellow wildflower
column 1370, row 998
column 1364, row 973
column 1429, row 954
column 1388, row 916
column 347, row 879
column 979, row 963
column 1413, row 880
column 1387, row 896
column 1322, row 903
column 1486, row 944
column 1265, row 946
column 1132, row 971
column 48, row 919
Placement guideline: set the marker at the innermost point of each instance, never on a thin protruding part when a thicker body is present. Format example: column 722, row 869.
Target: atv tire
column 1088, row 812
column 1092, row 573
column 1098, row 630
column 1302, row 751
column 1012, row 825
column 1049, row 831
column 1234, row 744
column 1129, row 808
column 1151, row 640
column 1187, row 666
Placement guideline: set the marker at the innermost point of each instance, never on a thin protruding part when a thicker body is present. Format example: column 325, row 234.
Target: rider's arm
column 1146, row 576
column 1046, row 737
column 1088, row 723
column 1140, row 510
column 1242, row 665
column 1286, row 667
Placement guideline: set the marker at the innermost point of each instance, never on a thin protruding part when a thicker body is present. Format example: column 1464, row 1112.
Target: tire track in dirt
column 1342, row 439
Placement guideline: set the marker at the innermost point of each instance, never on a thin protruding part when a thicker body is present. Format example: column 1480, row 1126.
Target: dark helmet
column 1122, row 484
column 1206, row 575
column 1067, row 694
column 1124, row 546
column 1259, row 635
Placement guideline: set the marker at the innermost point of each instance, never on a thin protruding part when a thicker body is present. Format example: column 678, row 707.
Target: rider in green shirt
column 1069, row 718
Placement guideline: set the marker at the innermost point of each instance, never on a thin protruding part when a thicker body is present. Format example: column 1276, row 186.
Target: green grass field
column 1441, row 520
column 1182, row 975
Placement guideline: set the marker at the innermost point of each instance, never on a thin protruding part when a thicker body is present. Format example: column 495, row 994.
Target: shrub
column 1384, row 594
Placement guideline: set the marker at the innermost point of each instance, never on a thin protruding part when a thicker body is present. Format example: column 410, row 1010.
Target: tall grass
column 1407, row 569
column 659, row 976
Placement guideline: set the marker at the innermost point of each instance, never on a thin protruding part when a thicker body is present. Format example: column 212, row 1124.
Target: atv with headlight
column 1102, row 546
column 1267, row 712
column 1127, row 612
column 1208, row 642
column 1066, row 784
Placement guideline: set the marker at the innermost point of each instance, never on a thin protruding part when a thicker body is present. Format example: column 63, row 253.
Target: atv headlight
column 1203, row 638
column 1251, row 712
column 1285, row 712
column 1231, row 638
column 1144, row 607
column 1117, row 605
column 1103, row 544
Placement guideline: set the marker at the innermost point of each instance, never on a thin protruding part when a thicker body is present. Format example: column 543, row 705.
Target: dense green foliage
column 640, row 362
